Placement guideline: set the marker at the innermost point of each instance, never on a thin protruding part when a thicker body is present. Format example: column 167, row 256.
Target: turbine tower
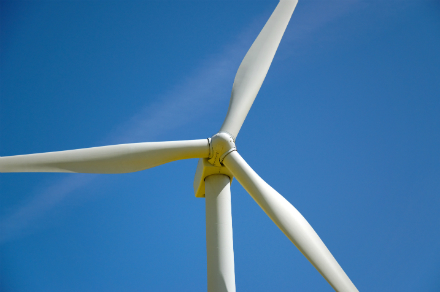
column 219, row 163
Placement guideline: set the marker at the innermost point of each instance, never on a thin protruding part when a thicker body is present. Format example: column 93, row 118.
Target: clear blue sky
column 346, row 127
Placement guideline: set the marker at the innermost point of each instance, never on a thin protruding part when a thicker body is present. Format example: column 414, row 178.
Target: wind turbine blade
column 121, row 158
column 290, row 221
column 254, row 67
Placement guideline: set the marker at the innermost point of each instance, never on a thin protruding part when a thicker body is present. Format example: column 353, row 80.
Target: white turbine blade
column 254, row 67
column 290, row 221
column 107, row 159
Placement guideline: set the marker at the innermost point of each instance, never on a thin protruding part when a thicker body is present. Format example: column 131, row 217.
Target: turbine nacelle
column 220, row 145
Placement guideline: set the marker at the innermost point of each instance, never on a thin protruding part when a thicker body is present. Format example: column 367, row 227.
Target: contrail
column 207, row 86
column 186, row 101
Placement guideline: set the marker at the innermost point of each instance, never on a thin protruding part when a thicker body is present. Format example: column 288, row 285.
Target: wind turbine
column 219, row 162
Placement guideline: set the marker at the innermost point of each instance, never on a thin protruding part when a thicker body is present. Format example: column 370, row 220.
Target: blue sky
column 346, row 126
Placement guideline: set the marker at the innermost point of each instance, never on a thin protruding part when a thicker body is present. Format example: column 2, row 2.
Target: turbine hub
column 220, row 145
